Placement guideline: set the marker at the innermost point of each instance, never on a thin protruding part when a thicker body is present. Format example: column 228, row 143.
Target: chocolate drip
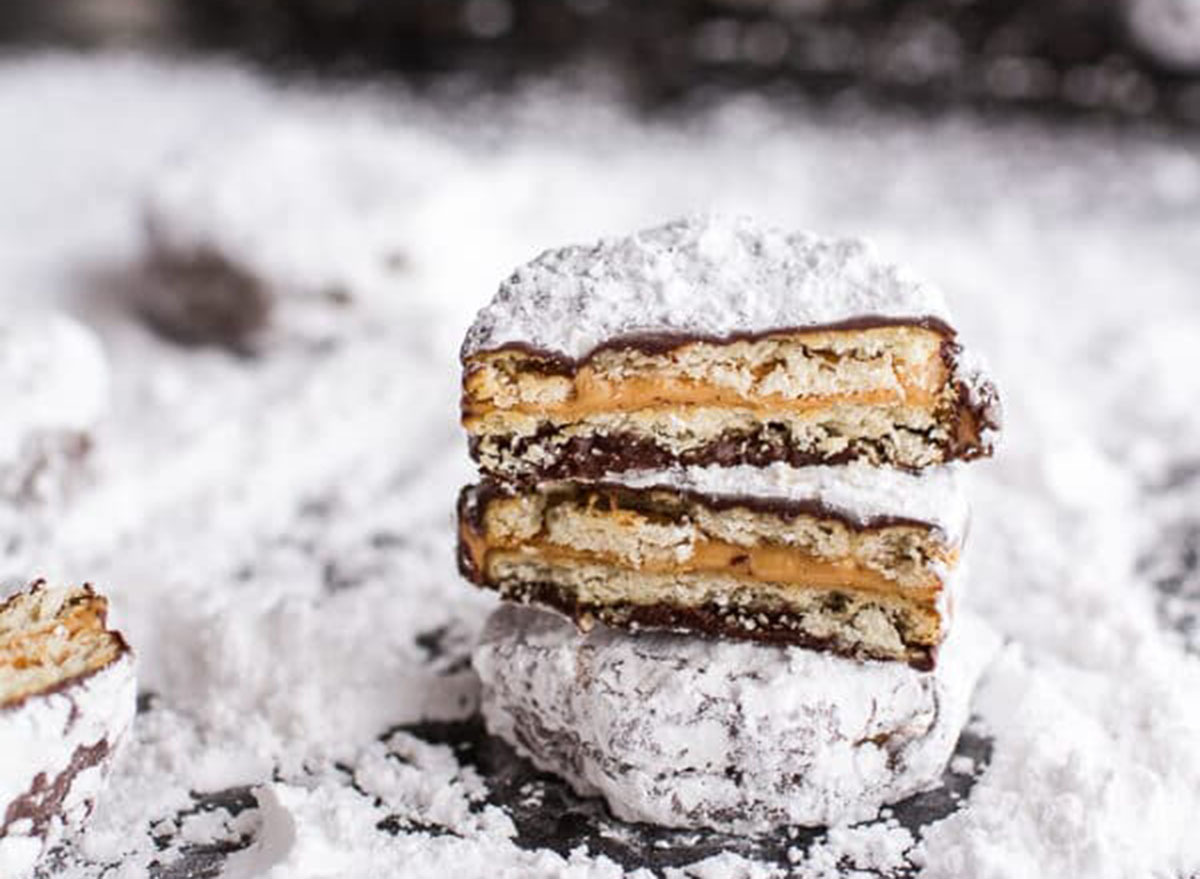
column 45, row 797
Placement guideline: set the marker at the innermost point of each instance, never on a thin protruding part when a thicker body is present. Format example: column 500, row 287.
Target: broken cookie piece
column 714, row 341
column 856, row 560
column 67, row 698
column 737, row 737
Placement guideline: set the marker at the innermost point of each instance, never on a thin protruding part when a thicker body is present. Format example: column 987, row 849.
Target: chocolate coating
column 769, row 627
column 44, row 799
column 555, row 362
column 474, row 499
column 594, row 456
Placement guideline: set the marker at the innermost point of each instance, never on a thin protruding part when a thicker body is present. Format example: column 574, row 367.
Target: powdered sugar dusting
column 39, row 739
column 862, row 493
column 708, row 275
column 670, row 729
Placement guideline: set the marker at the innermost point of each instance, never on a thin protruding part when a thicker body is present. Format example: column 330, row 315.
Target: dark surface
column 548, row 815
column 1060, row 58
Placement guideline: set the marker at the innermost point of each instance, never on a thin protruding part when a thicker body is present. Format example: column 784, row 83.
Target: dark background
column 1118, row 61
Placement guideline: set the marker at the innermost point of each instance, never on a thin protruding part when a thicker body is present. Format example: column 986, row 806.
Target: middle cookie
column 856, row 560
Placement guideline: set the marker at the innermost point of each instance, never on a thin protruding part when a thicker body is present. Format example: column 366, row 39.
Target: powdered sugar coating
column 40, row 738
column 707, row 275
column 691, row 732
column 858, row 491
column 53, row 379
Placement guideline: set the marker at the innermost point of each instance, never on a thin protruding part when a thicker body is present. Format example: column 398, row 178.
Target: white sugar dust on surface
column 276, row 532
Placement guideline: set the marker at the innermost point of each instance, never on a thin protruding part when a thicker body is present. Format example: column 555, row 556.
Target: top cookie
column 715, row 341
column 705, row 277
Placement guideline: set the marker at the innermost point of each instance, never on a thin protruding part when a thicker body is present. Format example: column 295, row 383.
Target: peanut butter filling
column 41, row 652
column 657, row 384
column 773, row 564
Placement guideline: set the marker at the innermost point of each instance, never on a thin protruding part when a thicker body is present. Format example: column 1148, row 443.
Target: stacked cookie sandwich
column 711, row 433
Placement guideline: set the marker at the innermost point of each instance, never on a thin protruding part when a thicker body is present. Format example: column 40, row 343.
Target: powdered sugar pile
column 276, row 533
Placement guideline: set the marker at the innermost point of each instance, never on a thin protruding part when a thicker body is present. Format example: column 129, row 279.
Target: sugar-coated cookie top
column 858, row 491
column 702, row 276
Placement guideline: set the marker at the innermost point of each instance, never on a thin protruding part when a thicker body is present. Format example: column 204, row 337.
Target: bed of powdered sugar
column 276, row 533
column 705, row 275
column 687, row 732
column 937, row 495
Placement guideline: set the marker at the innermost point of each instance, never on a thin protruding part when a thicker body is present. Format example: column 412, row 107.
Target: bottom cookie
column 737, row 737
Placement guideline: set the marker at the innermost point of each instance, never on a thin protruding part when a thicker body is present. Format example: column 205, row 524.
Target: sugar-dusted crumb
column 962, row 764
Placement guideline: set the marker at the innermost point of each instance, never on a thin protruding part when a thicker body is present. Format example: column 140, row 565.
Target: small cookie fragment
column 738, row 737
column 714, row 341
column 67, row 698
column 53, row 392
column 856, row 560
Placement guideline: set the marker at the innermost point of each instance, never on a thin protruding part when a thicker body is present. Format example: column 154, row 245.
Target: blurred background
column 1128, row 60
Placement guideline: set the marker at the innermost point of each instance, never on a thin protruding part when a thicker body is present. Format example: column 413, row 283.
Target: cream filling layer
column 797, row 372
column 803, row 549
